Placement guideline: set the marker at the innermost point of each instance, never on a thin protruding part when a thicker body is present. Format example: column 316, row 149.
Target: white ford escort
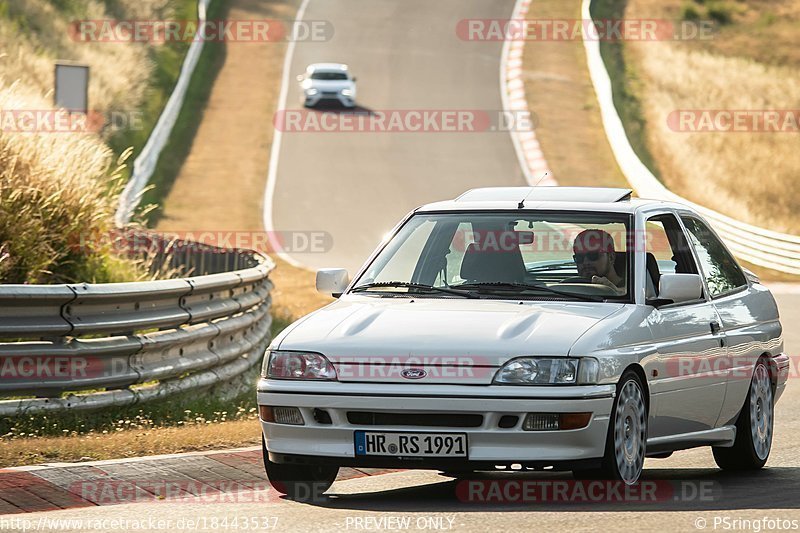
column 552, row 327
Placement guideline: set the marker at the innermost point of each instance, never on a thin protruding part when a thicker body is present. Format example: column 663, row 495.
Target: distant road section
column 407, row 56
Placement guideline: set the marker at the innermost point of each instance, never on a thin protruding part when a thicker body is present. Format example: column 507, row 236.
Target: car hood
column 430, row 332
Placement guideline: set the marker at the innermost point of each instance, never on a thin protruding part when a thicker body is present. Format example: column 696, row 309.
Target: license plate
column 411, row 444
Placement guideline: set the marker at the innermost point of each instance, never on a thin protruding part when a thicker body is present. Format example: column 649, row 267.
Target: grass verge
column 748, row 175
column 186, row 125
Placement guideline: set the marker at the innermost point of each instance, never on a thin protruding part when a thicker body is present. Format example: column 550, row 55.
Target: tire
column 754, row 426
column 299, row 482
column 626, row 441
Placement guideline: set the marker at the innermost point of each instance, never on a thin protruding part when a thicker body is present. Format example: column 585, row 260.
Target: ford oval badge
column 413, row 373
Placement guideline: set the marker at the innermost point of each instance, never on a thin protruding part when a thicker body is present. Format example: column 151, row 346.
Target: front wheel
column 299, row 482
column 627, row 435
column 753, row 427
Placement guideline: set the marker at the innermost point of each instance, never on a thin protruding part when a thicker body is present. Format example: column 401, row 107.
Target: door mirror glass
column 680, row 287
column 332, row 281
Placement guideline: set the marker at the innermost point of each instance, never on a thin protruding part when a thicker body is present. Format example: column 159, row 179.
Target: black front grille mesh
column 445, row 420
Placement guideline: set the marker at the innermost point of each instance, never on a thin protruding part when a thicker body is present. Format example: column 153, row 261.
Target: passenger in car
column 594, row 255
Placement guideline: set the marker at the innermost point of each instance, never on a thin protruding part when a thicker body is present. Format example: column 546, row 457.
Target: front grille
column 445, row 420
column 330, row 93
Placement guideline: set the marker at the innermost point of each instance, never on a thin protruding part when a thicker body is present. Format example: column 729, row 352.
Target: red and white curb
column 529, row 152
column 235, row 475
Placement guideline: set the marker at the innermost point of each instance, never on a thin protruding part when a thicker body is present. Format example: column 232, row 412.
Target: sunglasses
column 591, row 256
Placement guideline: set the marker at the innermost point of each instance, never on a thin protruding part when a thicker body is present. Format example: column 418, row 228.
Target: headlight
column 311, row 92
column 548, row 371
column 347, row 92
column 297, row 365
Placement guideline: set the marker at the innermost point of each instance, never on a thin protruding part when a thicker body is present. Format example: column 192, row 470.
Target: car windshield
column 536, row 255
column 324, row 75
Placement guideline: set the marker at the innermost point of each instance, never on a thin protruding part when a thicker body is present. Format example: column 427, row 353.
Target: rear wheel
column 627, row 435
column 753, row 427
column 299, row 482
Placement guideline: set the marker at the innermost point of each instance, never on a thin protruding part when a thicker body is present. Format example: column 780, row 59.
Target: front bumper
column 488, row 444
column 782, row 370
column 313, row 100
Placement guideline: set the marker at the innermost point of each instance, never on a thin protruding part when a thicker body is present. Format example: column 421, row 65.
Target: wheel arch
column 637, row 369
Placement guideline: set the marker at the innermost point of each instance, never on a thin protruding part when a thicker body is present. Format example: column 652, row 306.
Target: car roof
column 601, row 199
column 329, row 67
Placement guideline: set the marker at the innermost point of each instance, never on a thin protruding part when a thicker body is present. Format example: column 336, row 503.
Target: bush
column 689, row 12
column 58, row 192
column 720, row 13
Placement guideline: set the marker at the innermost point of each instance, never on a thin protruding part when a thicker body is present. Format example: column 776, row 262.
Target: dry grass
column 35, row 33
column 56, row 190
column 748, row 65
column 130, row 443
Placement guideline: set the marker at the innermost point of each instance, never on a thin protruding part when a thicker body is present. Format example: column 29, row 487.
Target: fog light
column 555, row 421
column 540, row 422
column 288, row 415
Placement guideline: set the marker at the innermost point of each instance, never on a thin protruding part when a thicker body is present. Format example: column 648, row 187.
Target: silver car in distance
column 552, row 327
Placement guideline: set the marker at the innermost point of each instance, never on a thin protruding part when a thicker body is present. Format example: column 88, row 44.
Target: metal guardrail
column 759, row 246
column 173, row 335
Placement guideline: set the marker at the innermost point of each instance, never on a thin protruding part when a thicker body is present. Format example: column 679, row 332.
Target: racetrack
column 406, row 56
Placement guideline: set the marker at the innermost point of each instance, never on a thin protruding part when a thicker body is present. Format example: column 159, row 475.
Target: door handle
column 716, row 329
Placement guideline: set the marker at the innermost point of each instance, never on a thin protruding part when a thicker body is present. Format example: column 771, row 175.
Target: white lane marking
column 48, row 466
column 512, row 93
column 275, row 151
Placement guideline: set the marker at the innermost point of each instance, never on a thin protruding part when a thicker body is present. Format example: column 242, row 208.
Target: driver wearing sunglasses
column 594, row 256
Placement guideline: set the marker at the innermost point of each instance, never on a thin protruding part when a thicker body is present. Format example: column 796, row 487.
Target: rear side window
column 720, row 270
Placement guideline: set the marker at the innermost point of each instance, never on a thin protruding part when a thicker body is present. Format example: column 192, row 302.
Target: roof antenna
column 521, row 204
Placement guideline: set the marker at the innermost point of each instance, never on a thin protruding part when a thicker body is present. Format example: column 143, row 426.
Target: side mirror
column 332, row 281
column 355, row 79
column 300, row 77
column 680, row 287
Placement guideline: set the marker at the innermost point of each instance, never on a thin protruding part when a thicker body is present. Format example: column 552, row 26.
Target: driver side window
column 666, row 251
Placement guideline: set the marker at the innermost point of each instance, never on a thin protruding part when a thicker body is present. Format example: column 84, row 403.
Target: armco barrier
column 173, row 335
column 759, row 246
column 145, row 163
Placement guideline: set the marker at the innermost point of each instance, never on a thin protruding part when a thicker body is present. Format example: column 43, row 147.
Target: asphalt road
column 406, row 56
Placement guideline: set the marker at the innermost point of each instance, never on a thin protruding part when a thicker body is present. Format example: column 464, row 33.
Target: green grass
column 188, row 408
column 624, row 82
column 180, row 142
column 167, row 59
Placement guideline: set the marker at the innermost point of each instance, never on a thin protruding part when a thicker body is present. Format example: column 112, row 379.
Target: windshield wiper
column 415, row 286
column 507, row 285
